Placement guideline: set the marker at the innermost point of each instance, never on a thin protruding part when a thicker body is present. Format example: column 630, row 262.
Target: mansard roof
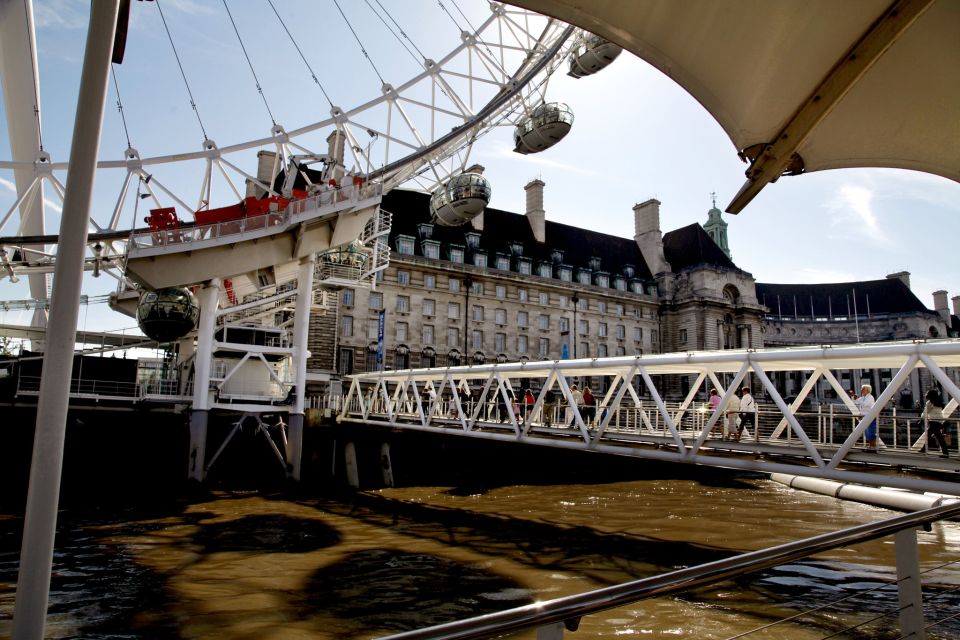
column 690, row 246
column 890, row 295
column 500, row 228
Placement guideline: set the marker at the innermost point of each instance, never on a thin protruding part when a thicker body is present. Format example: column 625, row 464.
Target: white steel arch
column 634, row 417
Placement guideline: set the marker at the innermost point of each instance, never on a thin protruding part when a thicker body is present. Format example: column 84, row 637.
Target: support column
column 43, row 496
column 909, row 589
column 209, row 301
column 301, row 330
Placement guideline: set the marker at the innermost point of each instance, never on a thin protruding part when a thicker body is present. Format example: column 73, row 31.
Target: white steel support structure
column 36, row 557
column 634, row 418
column 21, row 93
column 209, row 300
column 301, row 327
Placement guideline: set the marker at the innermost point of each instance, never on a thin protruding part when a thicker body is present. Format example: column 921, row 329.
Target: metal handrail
column 570, row 609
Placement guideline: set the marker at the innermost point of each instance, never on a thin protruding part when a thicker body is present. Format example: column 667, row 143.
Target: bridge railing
column 553, row 617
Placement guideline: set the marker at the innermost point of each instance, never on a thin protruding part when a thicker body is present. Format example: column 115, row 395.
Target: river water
column 272, row 564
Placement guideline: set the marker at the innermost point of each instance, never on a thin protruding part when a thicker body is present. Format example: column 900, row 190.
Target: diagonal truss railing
column 642, row 415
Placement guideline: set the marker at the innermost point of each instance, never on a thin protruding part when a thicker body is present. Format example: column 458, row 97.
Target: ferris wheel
column 418, row 133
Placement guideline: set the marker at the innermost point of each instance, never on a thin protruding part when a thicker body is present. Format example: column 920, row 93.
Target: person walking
column 714, row 404
column 577, row 402
column 748, row 409
column 589, row 406
column 933, row 415
column 732, row 412
column 528, row 402
column 864, row 403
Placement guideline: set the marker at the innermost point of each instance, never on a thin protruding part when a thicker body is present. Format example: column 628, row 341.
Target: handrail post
column 909, row 589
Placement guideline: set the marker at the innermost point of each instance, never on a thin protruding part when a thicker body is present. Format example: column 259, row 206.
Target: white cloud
column 853, row 213
column 9, row 186
column 60, row 14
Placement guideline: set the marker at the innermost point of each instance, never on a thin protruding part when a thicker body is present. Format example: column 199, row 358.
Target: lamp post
column 575, row 328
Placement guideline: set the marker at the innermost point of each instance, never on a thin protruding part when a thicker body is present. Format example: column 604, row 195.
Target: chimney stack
column 902, row 276
column 267, row 169
column 646, row 217
column 535, row 213
column 956, row 305
column 940, row 305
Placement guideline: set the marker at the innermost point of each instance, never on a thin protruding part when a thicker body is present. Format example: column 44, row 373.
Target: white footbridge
column 633, row 418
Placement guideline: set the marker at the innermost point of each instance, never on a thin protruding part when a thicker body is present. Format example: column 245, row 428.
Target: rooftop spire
column 716, row 226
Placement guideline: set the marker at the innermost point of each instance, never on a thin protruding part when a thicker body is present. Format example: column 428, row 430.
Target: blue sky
column 637, row 135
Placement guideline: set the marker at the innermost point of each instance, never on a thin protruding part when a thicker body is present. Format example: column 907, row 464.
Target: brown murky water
column 254, row 565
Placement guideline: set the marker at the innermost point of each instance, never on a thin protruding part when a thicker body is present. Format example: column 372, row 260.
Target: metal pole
column 43, row 496
column 202, row 360
column 909, row 590
column 301, row 329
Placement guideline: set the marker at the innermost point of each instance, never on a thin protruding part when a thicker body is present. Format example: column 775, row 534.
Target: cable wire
column 357, row 38
column 256, row 80
column 33, row 70
column 400, row 30
column 299, row 51
column 123, row 118
column 193, row 104
column 390, row 29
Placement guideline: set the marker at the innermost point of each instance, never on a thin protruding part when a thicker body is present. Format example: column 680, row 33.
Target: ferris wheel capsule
column 461, row 199
column 542, row 128
column 167, row 314
column 590, row 54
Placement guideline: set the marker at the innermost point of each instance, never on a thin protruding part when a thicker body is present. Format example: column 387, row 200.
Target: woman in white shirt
column 864, row 403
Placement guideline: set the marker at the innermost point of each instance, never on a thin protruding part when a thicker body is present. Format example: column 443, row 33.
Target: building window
column 503, row 262
column 524, row 266
column 403, row 304
column 566, row 274
column 544, row 349
column 346, row 326
column 620, row 284
column 373, row 363
column 543, row 322
column 621, row 351
column 427, row 334
column 476, row 288
column 501, row 292
column 618, row 309
column 478, row 313
column 401, row 358
column 683, row 336
column 453, row 360
column 453, row 337
column 516, row 248
column 602, row 306
column 345, row 362
column 522, row 318
column 602, row 350
column 594, row 263
column 583, row 276
column 500, row 316
column 638, row 334
column 544, row 298
column 564, row 301
column 431, row 249
column 347, row 297
column 584, row 327
column 545, row 270
column 428, row 358
column 401, row 331
column 456, row 254
column 521, row 344
column 453, row 310
column 405, row 245
column 499, row 342
column 429, row 281
column 584, row 351
column 403, row 277
column 636, row 286
column 480, row 259
column 603, row 280
column 454, row 285
column 476, row 339
column 473, row 239
column 373, row 329
column 564, row 325
column 376, row 300
column 602, row 329
column 429, row 307
column 522, row 295
column 621, row 332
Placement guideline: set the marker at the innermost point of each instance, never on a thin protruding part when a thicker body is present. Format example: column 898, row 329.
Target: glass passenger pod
column 167, row 314
column 460, row 200
column 591, row 54
column 542, row 128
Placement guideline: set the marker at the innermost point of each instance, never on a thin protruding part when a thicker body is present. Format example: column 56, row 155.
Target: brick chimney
column 902, row 276
column 267, row 170
column 646, row 217
column 956, row 305
column 535, row 213
column 940, row 305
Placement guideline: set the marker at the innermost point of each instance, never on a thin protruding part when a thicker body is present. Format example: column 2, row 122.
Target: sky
column 637, row 135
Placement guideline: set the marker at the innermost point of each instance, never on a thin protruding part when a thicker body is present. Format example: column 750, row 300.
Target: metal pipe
column 43, row 497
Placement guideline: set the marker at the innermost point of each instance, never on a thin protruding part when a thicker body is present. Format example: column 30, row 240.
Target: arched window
column 454, row 358
column 478, row 358
column 934, row 332
column 402, row 357
column 428, row 357
column 731, row 295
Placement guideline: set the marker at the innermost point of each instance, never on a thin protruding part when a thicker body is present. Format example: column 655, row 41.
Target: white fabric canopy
column 780, row 73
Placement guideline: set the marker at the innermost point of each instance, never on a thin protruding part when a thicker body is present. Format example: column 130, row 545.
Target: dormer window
column 545, row 270
column 557, row 256
column 524, row 266
column 628, row 270
column 602, row 279
column 473, row 239
column 503, row 262
column 405, row 245
column 636, row 286
column 584, row 276
column 620, row 283
column 455, row 253
column 595, row 263
column 480, row 259
column 430, row 249
column 425, row 230
column 516, row 248
column 565, row 273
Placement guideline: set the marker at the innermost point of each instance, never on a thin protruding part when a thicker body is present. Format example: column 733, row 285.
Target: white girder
column 782, row 439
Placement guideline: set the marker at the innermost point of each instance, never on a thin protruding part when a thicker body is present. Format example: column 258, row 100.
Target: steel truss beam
column 635, row 417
